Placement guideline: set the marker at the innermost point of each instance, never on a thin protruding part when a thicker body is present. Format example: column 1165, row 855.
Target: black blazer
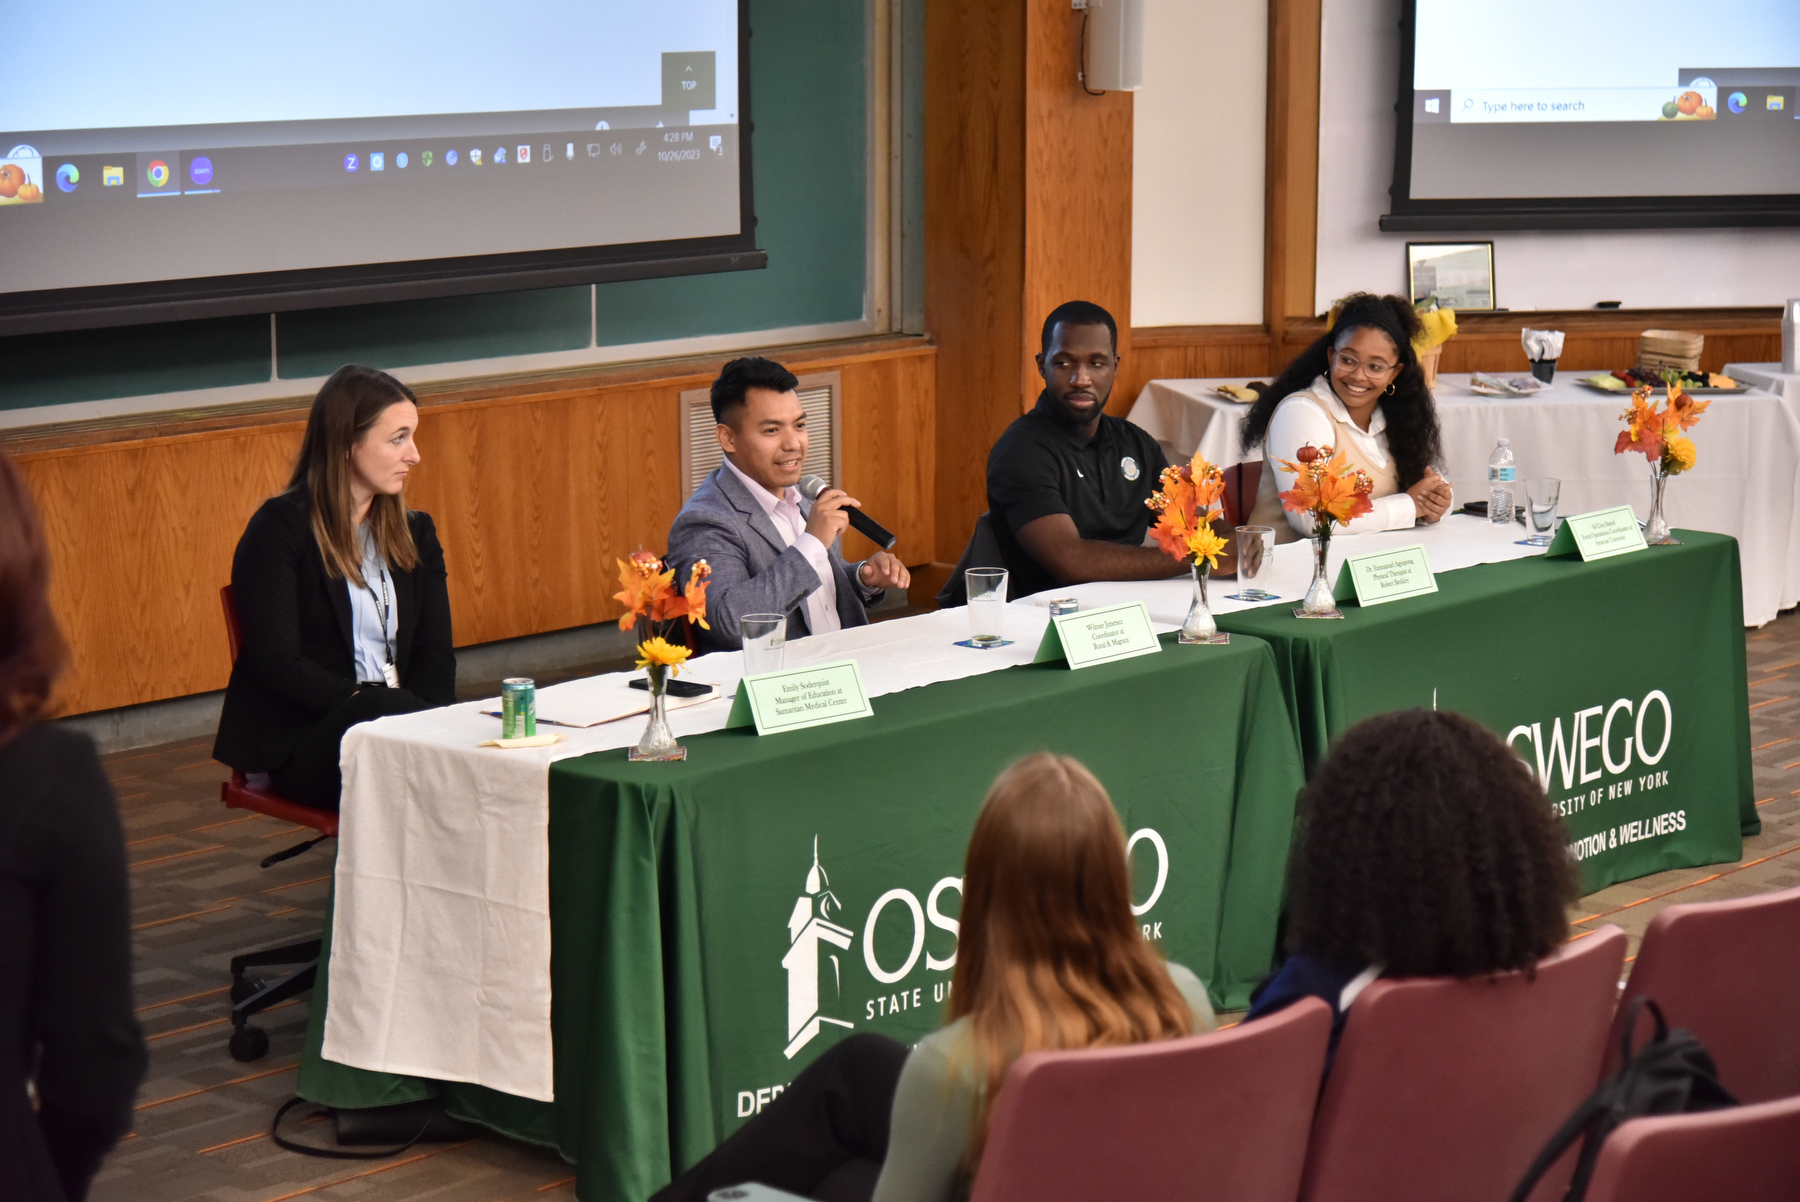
column 65, row 968
column 297, row 659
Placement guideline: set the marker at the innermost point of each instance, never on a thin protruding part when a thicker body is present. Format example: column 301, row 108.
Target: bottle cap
column 1506, row 442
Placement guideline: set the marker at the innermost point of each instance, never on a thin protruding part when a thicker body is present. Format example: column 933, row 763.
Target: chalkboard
column 809, row 101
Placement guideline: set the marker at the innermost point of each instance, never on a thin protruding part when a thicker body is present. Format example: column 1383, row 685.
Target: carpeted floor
column 199, row 898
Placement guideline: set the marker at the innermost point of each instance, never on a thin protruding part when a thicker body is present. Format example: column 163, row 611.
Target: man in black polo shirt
column 1067, row 484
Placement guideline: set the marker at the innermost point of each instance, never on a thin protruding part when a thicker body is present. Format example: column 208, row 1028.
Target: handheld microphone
column 812, row 486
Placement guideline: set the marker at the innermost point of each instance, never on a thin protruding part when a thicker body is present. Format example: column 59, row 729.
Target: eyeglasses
column 1348, row 363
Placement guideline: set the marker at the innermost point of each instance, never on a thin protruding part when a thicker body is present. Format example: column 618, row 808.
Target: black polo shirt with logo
column 1042, row 466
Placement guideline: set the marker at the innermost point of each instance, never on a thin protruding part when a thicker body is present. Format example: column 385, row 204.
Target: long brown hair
column 1049, row 955
column 348, row 405
column 32, row 651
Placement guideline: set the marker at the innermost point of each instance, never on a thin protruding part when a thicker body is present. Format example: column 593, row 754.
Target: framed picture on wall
column 1458, row 275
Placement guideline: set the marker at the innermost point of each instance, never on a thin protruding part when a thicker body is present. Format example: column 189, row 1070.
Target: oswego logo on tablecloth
column 1587, row 755
column 806, row 930
column 813, row 928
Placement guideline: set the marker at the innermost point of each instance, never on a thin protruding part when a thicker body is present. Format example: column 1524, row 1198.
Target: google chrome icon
column 157, row 173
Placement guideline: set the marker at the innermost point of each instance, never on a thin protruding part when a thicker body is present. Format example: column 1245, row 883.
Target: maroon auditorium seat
column 1222, row 1117
column 1729, row 971
column 1745, row 1154
column 1448, row 1089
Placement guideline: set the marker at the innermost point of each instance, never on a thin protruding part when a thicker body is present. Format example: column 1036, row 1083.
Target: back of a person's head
column 32, row 652
column 1049, row 955
column 1425, row 846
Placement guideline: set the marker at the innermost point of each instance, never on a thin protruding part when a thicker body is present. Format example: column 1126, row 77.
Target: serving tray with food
column 1629, row 379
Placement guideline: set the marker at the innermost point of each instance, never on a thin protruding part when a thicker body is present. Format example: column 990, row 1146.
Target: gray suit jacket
column 753, row 571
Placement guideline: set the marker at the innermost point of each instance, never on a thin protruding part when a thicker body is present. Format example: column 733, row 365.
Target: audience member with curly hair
column 1360, row 390
column 1424, row 848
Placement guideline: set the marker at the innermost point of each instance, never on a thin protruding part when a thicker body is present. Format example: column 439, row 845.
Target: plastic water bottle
column 1501, row 474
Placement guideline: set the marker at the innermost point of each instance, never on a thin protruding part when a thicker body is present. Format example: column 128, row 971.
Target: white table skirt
column 1746, row 483
column 440, row 958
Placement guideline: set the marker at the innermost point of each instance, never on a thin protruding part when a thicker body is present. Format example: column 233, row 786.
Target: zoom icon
column 67, row 177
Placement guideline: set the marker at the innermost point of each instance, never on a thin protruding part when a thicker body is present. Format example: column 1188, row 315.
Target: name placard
column 796, row 698
column 1099, row 636
column 1599, row 535
column 1385, row 576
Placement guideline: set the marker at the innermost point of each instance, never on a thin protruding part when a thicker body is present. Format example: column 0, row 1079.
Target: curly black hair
column 1425, row 846
column 1412, row 425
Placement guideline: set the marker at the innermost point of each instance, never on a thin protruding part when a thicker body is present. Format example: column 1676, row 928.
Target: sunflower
column 660, row 652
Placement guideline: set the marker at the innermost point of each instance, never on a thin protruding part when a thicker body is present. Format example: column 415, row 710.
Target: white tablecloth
column 1746, row 483
column 440, row 957
column 1770, row 378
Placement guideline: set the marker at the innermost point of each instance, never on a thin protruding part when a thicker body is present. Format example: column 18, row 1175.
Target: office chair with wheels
column 251, row 995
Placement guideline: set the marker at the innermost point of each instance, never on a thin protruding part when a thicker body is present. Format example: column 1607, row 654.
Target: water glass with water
column 1541, row 496
column 1255, row 546
column 987, row 605
column 765, row 638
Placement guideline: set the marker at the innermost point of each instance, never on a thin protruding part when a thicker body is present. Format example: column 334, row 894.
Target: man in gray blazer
column 770, row 549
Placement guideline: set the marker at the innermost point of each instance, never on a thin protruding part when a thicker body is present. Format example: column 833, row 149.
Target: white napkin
column 1542, row 344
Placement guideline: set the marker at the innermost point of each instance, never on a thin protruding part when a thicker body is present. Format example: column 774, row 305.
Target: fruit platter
column 1629, row 379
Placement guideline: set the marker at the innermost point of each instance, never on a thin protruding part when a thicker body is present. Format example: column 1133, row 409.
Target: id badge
column 391, row 674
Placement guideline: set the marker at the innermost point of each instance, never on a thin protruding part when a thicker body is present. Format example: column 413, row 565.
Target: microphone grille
column 811, row 486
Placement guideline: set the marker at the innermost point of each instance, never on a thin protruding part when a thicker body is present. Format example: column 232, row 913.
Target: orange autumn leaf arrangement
column 1660, row 435
column 649, row 594
column 1186, row 503
column 1326, row 486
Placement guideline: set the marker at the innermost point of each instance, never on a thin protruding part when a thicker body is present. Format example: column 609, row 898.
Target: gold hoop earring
column 1390, row 390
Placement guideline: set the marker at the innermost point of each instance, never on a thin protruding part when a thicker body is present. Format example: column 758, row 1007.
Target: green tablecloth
column 718, row 922
column 1622, row 682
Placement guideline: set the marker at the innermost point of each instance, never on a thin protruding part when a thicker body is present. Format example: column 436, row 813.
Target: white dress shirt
column 1299, row 420
column 790, row 526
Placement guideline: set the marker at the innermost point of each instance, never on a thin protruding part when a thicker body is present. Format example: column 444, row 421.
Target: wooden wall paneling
column 141, row 538
column 1290, row 229
column 1190, row 352
column 889, row 450
column 974, row 242
column 1078, row 170
column 1485, row 342
column 535, row 487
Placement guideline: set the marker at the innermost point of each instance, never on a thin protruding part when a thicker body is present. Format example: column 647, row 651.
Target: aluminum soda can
column 518, row 708
column 1061, row 606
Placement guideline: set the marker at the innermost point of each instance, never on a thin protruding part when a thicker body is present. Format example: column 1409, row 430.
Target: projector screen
column 217, row 156
column 1554, row 114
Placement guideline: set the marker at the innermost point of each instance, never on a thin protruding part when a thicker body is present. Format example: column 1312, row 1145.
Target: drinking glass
column 765, row 637
column 1541, row 496
column 987, row 605
column 1255, row 545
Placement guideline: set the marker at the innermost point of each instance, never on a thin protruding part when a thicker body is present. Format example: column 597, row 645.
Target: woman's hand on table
column 1431, row 496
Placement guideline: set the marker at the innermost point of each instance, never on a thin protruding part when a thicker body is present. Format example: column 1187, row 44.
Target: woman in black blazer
column 66, row 1022
column 341, row 595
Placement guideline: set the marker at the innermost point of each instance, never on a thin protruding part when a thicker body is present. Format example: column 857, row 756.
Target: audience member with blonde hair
column 68, row 1033
column 1049, row 956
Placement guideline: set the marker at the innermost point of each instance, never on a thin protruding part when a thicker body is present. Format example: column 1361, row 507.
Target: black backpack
column 1672, row 1074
